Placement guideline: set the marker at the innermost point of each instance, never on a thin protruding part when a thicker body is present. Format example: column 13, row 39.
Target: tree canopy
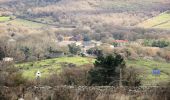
column 106, row 70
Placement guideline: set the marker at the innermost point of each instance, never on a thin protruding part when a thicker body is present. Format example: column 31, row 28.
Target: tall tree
column 106, row 70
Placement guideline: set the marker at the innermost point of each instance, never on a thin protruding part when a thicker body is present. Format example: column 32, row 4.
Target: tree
column 106, row 70
column 86, row 38
column 74, row 49
column 2, row 54
column 26, row 52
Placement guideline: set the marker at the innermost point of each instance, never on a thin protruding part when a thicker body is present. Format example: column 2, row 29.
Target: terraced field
column 161, row 21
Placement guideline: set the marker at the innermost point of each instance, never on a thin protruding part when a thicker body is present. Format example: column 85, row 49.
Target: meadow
column 146, row 67
column 4, row 18
column 19, row 22
column 161, row 21
column 50, row 66
column 26, row 23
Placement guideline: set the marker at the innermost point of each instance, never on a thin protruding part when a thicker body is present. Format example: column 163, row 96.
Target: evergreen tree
column 106, row 70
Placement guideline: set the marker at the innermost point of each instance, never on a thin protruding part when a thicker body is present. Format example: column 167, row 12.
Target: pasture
column 146, row 67
column 51, row 66
column 55, row 65
column 26, row 23
column 161, row 21
column 4, row 18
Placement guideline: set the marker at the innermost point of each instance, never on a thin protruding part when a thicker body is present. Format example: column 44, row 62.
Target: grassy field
column 147, row 66
column 55, row 65
column 4, row 18
column 161, row 21
column 26, row 23
column 50, row 65
column 20, row 22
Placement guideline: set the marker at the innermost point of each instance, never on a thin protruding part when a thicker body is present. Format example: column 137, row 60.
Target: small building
column 8, row 59
column 120, row 43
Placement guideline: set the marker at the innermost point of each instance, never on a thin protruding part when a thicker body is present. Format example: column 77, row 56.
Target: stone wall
column 84, row 93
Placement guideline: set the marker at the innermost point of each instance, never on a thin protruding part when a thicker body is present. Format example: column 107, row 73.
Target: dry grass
column 84, row 93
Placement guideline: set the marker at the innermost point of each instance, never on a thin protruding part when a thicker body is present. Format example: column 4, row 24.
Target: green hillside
column 146, row 66
column 18, row 22
column 161, row 21
column 55, row 65
column 50, row 65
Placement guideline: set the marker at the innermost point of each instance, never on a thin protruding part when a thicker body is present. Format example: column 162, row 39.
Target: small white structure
column 8, row 59
column 112, row 46
column 38, row 74
column 20, row 99
column 36, row 98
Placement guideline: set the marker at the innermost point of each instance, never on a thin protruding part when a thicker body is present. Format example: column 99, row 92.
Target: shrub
column 74, row 76
column 160, row 43
column 15, row 79
column 131, row 77
column 52, row 80
column 74, row 49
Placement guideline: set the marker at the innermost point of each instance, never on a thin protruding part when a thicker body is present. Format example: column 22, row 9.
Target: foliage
column 146, row 66
column 160, row 43
column 74, row 49
column 2, row 54
column 156, row 43
column 86, row 38
column 106, row 69
column 26, row 52
column 132, row 77
column 75, row 76
column 50, row 66
column 147, row 42
column 160, row 21
column 10, row 75
column 4, row 18
column 94, row 51
column 115, row 44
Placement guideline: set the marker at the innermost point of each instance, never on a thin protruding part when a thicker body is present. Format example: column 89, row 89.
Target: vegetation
column 26, row 23
column 157, row 43
column 161, row 21
column 146, row 67
column 48, row 35
column 74, row 49
column 4, row 18
column 106, row 70
column 51, row 66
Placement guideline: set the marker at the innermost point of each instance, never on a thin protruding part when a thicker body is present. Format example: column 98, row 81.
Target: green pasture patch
column 4, row 18
column 147, row 66
column 50, row 66
column 161, row 21
column 26, row 23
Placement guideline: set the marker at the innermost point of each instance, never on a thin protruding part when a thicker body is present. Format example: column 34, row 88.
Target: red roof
column 120, row 41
